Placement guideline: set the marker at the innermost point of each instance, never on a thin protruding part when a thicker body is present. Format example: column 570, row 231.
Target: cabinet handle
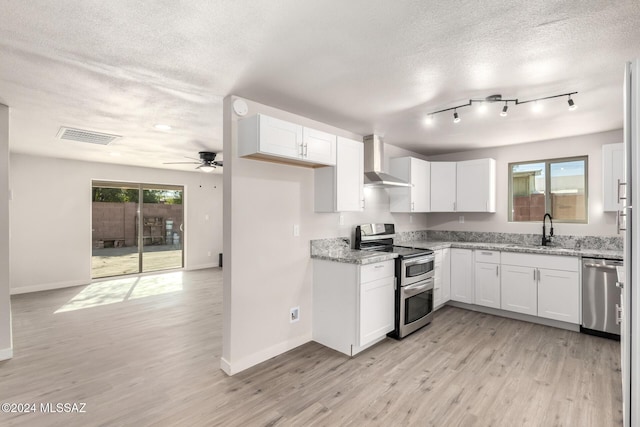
column 485, row 253
column 497, row 270
column 620, row 184
column 534, row 274
column 618, row 314
column 619, row 221
column 413, row 206
column 302, row 149
column 362, row 204
column 378, row 266
column 306, row 150
column 454, row 207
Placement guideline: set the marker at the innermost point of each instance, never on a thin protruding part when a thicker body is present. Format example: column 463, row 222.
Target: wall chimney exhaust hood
column 373, row 175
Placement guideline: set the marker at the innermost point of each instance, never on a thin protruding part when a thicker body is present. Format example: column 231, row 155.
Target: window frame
column 547, row 195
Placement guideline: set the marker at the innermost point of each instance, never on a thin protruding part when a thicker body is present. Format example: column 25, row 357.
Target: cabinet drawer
column 488, row 256
column 376, row 271
column 553, row 262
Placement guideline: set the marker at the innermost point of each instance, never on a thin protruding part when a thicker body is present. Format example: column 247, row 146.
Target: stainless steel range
column 414, row 276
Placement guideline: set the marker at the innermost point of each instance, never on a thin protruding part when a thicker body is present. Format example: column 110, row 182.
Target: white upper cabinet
column 340, row 188
column 443, row 186
column 476, row 186
column 318, row 146
column 417, row 197
column 612, row 174
column 261, row 136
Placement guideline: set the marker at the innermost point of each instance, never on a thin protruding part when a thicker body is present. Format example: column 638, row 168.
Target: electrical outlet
column 296, row 230
column 209, row 253
column 294, row 314
column 461, row 219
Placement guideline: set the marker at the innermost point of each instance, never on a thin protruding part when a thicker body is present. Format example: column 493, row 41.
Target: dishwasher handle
column 605, row 266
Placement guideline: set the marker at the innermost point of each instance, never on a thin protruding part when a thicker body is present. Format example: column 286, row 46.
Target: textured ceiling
column 121, row 67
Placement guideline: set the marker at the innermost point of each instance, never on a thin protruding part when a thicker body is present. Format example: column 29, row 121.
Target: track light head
column 572, row 105
column 456, row 118
column 504, row 110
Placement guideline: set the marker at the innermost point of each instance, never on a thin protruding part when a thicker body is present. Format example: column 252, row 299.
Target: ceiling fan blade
column 192, row 158
column 181, row 163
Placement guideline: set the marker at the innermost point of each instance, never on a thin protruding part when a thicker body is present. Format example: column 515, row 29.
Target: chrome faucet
column 546, row 240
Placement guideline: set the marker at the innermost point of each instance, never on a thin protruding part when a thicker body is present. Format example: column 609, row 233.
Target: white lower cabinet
column 519, row 291
column 353, row 305
column 377, row 307
column 441, row 277
column 462, row 275
column 542, row 285
column 559, row 295
column 487, row 280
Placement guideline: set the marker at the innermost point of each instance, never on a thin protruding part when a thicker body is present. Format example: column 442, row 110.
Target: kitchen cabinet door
column 476, row 186
column 462, row 275
column 279, row 137
column 612, row 173
column 443, row 187
column 417, row 197
column 318, row 146
column 559, row 295
column 446, row 275
column 487, row 284
column 377, row 309
column 519, row 290
column 340, row 188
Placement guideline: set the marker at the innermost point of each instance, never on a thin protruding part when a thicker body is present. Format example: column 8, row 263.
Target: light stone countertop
column 510, row 247
column 353, row 256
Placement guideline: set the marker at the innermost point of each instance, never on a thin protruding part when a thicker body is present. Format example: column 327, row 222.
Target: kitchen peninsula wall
column 600, row 223
column 267, row 269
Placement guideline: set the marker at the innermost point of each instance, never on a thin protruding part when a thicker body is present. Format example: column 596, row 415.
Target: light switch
column 296, row 230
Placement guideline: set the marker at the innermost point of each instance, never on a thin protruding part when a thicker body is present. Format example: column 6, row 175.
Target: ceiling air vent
column 89, row 136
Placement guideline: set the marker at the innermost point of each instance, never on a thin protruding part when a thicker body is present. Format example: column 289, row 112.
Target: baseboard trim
column 46, row 287
column 232, row 368
column 516, row 316
column 203, row 266
column 6, row 354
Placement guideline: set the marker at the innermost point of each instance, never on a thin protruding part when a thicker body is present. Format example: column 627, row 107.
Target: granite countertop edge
column 354, row 256
column 509, row 247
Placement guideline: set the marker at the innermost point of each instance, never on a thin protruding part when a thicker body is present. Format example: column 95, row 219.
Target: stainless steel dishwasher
column 600, row 297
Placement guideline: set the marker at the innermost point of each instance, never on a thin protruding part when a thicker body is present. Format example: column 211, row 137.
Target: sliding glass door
column 136, row 228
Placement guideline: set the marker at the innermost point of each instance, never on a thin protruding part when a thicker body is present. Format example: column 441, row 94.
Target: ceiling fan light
column 206, row 168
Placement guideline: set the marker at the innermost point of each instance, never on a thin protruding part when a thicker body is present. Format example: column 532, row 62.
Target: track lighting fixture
column 498, row 98
column 504, row 110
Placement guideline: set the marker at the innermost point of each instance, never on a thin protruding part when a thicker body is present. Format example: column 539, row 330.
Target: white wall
column 600, row 223
column 51, row 208
column 6, row 347
column 267, row 270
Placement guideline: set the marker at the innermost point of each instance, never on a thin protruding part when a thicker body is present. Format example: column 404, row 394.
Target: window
column 557, row 187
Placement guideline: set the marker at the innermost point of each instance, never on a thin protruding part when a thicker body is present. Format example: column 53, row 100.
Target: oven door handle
column 418, row 288
column 422, row 261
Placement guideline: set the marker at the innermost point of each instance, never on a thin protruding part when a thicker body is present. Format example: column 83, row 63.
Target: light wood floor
column 154, row 360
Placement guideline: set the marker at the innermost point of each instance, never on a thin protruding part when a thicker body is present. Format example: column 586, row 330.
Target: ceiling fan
column 206, row 163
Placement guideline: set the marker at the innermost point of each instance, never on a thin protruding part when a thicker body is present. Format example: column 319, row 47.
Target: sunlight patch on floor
column 120, row 290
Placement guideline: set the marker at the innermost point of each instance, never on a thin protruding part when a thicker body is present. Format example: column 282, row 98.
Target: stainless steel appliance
column 600, row 297
column 414, row 277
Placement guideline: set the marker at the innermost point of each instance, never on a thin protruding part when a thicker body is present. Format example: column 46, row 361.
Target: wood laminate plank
column 154, row 360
